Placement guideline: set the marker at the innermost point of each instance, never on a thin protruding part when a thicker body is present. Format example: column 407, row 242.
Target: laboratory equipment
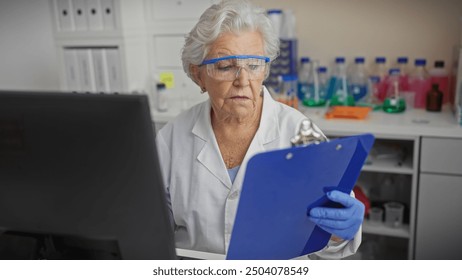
column 434, row 99
column 402, row 65
column 394, row 102
column 315, row 96
column 83, row 179
column 341, row 95
column 376, row 215
column 304, row 73
column 379, row 69
column 161, row 97
column 394, row 212
column 358, row 78
column 419, row 83
column 288, row 95
column 439, row 75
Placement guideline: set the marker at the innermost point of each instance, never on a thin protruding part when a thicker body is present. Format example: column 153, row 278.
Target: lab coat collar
column 210, row 155
column 268, row 130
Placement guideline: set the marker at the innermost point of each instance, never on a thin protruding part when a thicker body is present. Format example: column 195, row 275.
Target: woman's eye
column 254, row 67
column 225, row 67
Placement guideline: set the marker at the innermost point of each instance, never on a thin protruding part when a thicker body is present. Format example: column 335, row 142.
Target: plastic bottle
column 380, row 70
column 373, row 92
column 314, row 97
column 358, row 80
column 440, row 76
column 323, row 81
column 434, row 99
column 339, row 64
column 419, row 83
column 162, row 98
column 289, row 92
column 340, row 94
column 394, row 102
column 402, row 65
column 275, row 16
column 304, row 73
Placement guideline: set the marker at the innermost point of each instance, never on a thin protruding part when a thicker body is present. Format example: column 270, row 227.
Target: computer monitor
column 80, row 178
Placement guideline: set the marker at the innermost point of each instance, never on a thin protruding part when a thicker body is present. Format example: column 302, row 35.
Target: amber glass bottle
column 434, row 99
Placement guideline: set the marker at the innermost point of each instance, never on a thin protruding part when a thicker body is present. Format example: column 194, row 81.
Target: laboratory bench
column 417, row 161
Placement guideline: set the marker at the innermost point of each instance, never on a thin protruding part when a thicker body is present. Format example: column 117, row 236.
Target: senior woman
column 204, row 151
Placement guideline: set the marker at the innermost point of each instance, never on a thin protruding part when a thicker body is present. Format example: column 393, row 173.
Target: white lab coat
column 202, row 199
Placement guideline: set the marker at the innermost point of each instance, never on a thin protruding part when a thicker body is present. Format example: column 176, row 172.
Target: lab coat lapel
column 209, row 155
column 267, row 132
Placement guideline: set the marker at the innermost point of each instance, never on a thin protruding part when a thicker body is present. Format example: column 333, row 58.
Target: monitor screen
column 80, row 178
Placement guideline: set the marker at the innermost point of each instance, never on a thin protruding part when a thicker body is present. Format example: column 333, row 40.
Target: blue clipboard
column 281, row 186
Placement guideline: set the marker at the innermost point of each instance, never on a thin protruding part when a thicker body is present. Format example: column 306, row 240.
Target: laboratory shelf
column 389, row 166
column 402, row 231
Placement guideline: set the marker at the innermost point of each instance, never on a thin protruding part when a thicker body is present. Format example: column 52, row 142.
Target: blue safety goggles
column 228, row 68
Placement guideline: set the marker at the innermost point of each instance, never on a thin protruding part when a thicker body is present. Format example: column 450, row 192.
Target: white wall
column 325, row 29
column 27, row 53
column 370, row 28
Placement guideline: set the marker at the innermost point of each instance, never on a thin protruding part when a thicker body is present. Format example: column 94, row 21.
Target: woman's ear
column 196, row 75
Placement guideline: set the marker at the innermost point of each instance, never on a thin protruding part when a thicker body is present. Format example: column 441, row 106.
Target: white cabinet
column 439, row 222
column 178, row 10
column 102, row 45
column 441, row 155
column 168, row 23
column 125, row 46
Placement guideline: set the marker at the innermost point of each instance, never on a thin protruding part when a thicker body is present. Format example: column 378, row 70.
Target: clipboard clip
column 307, row 133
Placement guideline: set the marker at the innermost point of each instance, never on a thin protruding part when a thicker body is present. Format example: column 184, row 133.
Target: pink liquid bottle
column 440, row 76
column 419, row 83
column 401, row 64
column 380, row 70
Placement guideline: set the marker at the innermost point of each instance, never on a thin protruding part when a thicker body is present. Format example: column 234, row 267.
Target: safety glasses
column 228, row 68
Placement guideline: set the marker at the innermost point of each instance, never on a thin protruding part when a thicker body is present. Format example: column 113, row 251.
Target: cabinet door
column 441, row 155
column 439, row 220
column 180, row 9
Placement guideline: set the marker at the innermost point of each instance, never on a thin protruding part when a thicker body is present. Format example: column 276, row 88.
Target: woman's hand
column 341, row 222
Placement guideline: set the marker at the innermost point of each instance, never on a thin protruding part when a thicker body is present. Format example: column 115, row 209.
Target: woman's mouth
column 239, row 97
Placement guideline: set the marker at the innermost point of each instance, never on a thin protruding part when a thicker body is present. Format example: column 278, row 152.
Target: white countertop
column 412, row 123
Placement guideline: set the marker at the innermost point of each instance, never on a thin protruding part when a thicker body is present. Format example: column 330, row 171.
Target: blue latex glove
column 342, row 222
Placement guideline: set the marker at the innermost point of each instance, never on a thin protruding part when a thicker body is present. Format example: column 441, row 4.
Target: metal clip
column 307, row 134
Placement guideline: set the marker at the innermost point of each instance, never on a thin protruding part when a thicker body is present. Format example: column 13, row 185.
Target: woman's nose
column 242, row 76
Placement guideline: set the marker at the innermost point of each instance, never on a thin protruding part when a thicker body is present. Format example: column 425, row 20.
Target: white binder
column 100, row 71
column 108, row 14
column 80, row 14
column 94, row 15
column 114, row 69
column 71, row 69
column 64, row 15
column 86, row 71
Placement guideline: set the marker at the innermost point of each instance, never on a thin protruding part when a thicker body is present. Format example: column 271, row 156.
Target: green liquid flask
column 342, row 99
column 394, row 103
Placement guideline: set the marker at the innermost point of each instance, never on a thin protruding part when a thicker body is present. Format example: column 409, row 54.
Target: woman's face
column 241, row 97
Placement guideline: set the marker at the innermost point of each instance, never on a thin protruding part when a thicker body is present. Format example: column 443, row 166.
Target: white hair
column 227, row 16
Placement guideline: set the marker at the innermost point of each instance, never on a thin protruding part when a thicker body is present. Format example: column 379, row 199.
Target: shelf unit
column 402, row 231
column 374, row 173
column 168, row 22
column 110, row 31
